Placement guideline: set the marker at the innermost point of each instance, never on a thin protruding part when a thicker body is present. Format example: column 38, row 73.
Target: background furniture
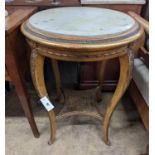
column 16, row 56
column 139, row 87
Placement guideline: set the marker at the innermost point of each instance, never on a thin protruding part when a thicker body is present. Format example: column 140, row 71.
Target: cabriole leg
column 57, row 78
column 101, row 80
column 37, row 72
column 126, row 64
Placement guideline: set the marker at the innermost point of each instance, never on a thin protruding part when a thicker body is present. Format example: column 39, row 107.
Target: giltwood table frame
column 82, row 49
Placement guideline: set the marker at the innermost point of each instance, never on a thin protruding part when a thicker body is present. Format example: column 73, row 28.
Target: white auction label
column 46, row 103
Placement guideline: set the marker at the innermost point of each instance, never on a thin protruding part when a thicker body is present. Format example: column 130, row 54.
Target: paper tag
column 46, row 103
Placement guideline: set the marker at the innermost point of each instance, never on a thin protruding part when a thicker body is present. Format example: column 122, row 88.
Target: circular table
column 82, row 34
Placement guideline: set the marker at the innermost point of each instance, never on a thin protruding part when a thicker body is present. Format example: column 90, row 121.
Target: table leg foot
column 53, row 126
column 34, row 127
column 98, row 94
column 106, row 141
column 50, row 142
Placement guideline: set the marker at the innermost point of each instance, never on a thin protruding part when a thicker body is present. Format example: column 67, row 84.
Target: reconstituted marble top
column 81, row 21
